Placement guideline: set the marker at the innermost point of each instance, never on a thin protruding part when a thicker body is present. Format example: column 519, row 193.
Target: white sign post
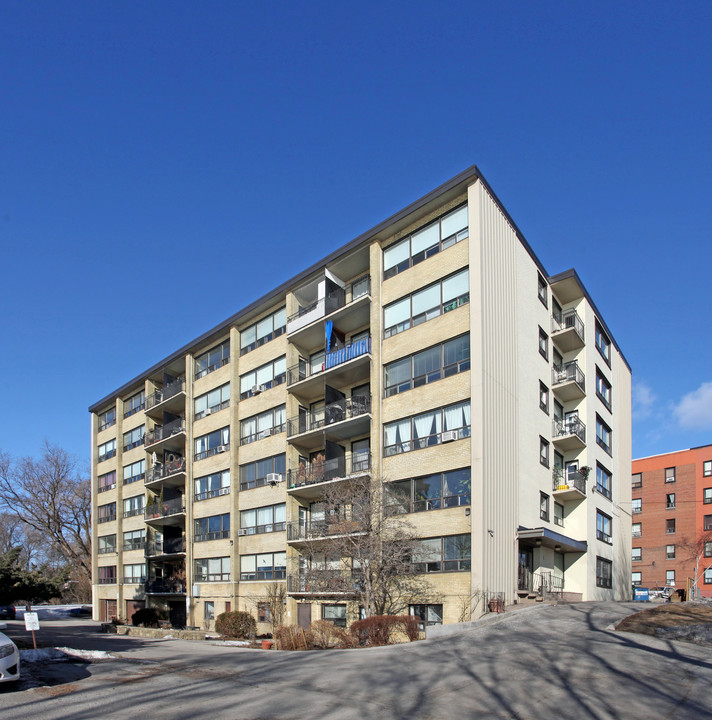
column 32, row 623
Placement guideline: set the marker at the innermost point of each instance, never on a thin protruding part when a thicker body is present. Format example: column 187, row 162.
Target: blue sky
column 155, row 154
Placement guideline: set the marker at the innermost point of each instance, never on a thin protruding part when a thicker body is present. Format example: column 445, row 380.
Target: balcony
column 307, row 479
column 347, row 418
column 302, row 532
column 569, row 434
column 568, row 381
column 169, row 398
column 165, row 547
column 569, row 486
column 327, row 583
column 165, row 586
column 168, row 512
column 171, row 473
column 170, row 436
column 567, row 332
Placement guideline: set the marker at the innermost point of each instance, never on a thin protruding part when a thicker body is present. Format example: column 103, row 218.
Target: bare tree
column 699, row 551
column 14, row 533
column 276, row 597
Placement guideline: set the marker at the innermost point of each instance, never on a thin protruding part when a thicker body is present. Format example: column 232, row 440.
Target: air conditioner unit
column 207, row 412
column 274, row 478
column 266, row 433
column 221, row 448
column 257, row 389
column 450, row 435
column 242, row 531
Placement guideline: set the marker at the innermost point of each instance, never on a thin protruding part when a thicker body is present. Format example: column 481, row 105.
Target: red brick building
column 671, row 514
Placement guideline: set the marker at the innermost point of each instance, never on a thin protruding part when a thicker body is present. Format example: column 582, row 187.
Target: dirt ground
column 667, row 615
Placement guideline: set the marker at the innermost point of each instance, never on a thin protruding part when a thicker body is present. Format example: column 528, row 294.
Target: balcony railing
column 321, row 529
column 164, row 509
column 336, row 412
column 321, row 471
column 570, row 426
column 107, row 580
column 139, row 544
column 568, row 372
column 165, row 393
column 165, row 586
column 106, row 518
column 325, row 582
column 165, row 547
column 567, row 319
column 216, row 535
column 162, row 470
column 603, row 537
column 570, row 479
column 165, row 431
column 303, row 370
column 260, row 529
column 107, row 549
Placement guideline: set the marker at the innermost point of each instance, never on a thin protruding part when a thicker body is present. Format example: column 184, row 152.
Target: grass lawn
column 666, row 615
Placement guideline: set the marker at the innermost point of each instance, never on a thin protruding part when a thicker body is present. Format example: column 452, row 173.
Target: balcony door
column 571, row 421
column 571, row 469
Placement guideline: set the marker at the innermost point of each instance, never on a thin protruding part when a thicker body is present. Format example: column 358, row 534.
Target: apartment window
column 544, row 397
column 107, row 481
column 427, row 366
column 708, row 549
column 427, row 614
column 427, row 429
column 603, row 343
column 107, row 544
column 708, row 576
column 604, row 573
column 707, row 524
column 263, row 331
column 210, row 486
column 107, row 450
column 263, row 378
column 107, row 419
column 213, row 443
column 212, row 359
column 135, row 573
column 107, row 575
column 670, row 501
column 134, row 505
column 106, row 513
column 637, row 479
column 135, row 539
column 637, row 505
column 134, row 472
column 425, row 242
column 636, row 579
column 266, row 424
column 543, row 291
column 669, row 577
column 637, row 554
column 213, row 401
column 335, row 614
column 264, row 566
column 707, row 468
column 544, row 452
column 603, row 481
column 543, row 344
column 212, row 569
column 254, row 474
column 271, row 518
column 134, row 404
column 603, row 435
column 430, row 492
column 264, row 614
column 543, row 507
column 707, row 495
column 670, row 475
column 436, row 299
column 637, row 529
column 558, row 514
column 442, row 554
column 670, row 526
column 670, row 552
column 604, row 530
column 215, row 527
column 134, row 438
column 603, row 389
column 209, row 610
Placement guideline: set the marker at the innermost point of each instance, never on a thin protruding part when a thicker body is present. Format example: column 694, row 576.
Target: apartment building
column 672, row 520
column 433, row 352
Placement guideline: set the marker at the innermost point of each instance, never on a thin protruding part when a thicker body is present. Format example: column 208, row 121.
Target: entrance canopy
column 538, row 537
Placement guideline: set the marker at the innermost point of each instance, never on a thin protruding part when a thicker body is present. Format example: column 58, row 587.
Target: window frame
column 604, row 573
column 605, row 395
column 107, row 419
column 278, row 465
column 418, row 502
column 216, row 407
column 224, row 350
column 207, row 575
column 278, row 377
column 201, row 527
column 604, row 489
column 543, row 291
column 273, row 571
column 443, row 564
column 604, row 527
column 544, row 452
column 603, row 429
column 273, row 526
column 212, row 448
column 273, row 334
column 210, row 480
column 543, row 343
column 275, row 428
column 603, row 342
column 543, row 397
column 636, row 556
column 670, row 474
column 136, row 402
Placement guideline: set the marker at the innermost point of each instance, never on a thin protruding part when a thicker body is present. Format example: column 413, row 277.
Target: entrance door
column 177, row 613
column 107, row 610
column 526, row 564
column 304, row 615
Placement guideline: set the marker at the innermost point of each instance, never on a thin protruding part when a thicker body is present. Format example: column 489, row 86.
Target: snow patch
column 63, row 654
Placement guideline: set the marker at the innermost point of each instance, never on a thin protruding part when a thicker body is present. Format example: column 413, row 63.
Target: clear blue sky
column 155, row 153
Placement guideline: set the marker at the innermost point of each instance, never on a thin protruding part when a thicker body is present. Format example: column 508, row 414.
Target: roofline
column 672, row 452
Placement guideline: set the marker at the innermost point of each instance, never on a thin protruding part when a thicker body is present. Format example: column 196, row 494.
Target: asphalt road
column 561, row 662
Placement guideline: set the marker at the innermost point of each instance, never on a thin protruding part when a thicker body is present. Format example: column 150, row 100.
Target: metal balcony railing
column 321, row 529
column 572, row 479
column 325, row 582
column 570, row 426
column 164, row 509
column 336, row 412
column 321, row 471
column 162, row 470
column 568, row 372
column 165, row 393
column 165, row 586
column 566, row 320
column 165, row 431
column 302, row 371
column 165, row 547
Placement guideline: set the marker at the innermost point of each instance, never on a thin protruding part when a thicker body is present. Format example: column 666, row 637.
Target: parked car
column 7, row 612
column 9, row 658
column 662, row 591
column 83, row 611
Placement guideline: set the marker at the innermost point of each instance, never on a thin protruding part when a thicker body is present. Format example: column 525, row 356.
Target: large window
column 213, row 443
column 135, row 539
column 271, row 518
column 134, row 472
column 107, row 544
column 431, row 301
column 106, row 513
column 270, row 422
column 427, row 429
column 107, row 575
column 254, row 474
column 265, row 566
column 134, row 505
column 107, row 419
column 134, row 574
column 107, row 450
column 263, row 331
column 213, row 401
column 212, row 569
column 427, row 366
column 107, row 481
column 210, row 486
column 442, row 554
column 425, row 242
column 603, row 389
column 212, row 359
column 604, row 573
column 335, row 614
column 604, row 527
column 431, row 492
column 263, row 378
column 603, row 343
column 428, row 614
column 215, row 527
column 603, row 435
column 135, row 403
column 603, row 481
column 134, row 438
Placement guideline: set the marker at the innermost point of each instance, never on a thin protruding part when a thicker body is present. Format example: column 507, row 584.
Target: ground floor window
column 335, row 614
column 263, row 612
column 209, row 610
column 604, row 573
column 637, row 579
column 428, row 614
column 708, row 576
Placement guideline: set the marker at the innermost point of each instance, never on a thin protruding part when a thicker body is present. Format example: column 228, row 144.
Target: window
column 210, row 486
column 669, row 577
column 263, row 378
column 427, row 429
column 544, row 397
column 436, row 299
column 212, row 359
column 637, row 579
column 708, row 576
column 604, row 573
column 107, row 544
column 558, row 514
column 637, row 505
column 264, row 614
column 544, row 452
column 107, row 419
column 603, row 435
column 134, row 404
column 134, row 505
column 603, row 481
column 106, row 513
column 670, row 526
column 670, row 501
column 265, row 566
column 212, row 569
column 543, row 344
column 135, row 539
column 603, row 527
column 253, row 475
column 603, row 389
column 637, row 480
column 134, row 472
column 707, row 468
column 107, row 575
column 209, row 611
column 603, row 343
column 135, row 573
column 335, row 614
column 215, row 527
column 670, row 475
column 670, row 552
column 430, row 492
column 263, row 331
column 442, row 554
column 107, row 481
column 271, row 518
column 213, row 401
column 708, row 549
column 266, row 424
column 707, row 495
column 428, row 614
column 707, row 524
column 637, row 529
column 544, row 506
column 213, row 443
column 107, row 450
column 637, row 554
column 543, row 291
column 427, row 366
column 134, row 438
column 425, row 242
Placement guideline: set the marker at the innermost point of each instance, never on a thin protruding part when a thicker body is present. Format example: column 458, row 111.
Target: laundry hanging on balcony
column 329, row 331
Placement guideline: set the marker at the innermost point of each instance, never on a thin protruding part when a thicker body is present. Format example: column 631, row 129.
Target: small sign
column 642, row 595
column 32, row 621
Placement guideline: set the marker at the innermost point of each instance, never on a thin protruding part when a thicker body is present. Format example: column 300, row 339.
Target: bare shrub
column 293, row 637
column 383, row 629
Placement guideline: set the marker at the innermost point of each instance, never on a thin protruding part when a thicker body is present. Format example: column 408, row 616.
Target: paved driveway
column 544, row 662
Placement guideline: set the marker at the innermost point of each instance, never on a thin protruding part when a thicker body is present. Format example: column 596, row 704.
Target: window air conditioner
column 242, row 531
column 449, row 436
column 207, row 412
column 221, row 448
column 257, row 389
column 274, row 478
